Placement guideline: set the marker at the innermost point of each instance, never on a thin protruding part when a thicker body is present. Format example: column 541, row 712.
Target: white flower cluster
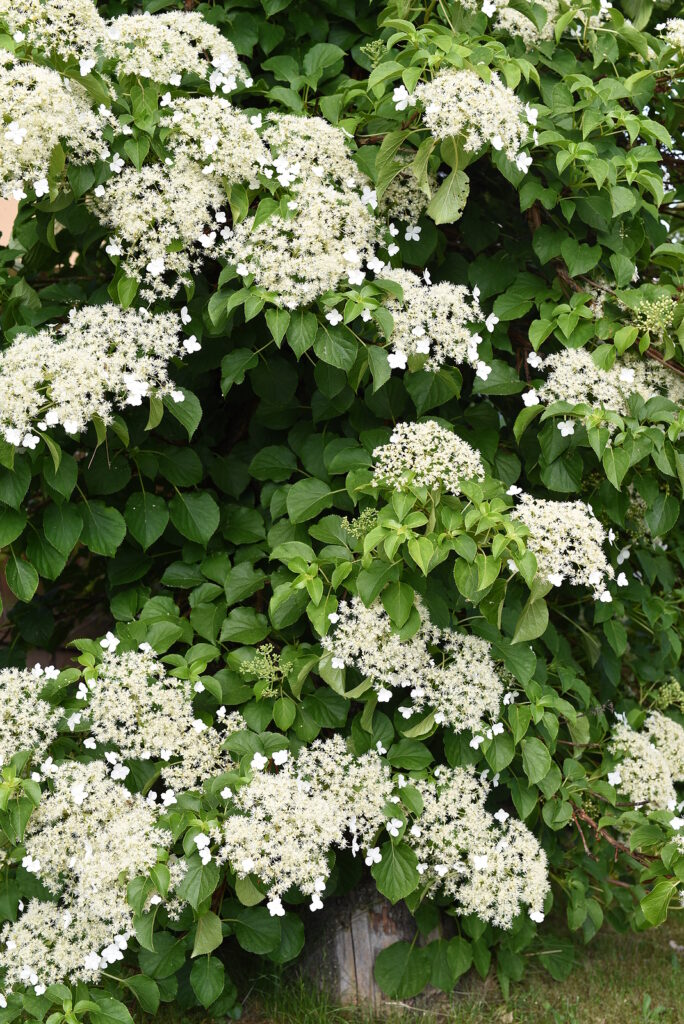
column 453, row 673
column 314, row 147
column 644, row 771
column 38, row 110
column 432, row 320
column 574, row 377
column 567, row 540
column 217, row 136
column 162, row 221
column 103, row 356
column 134, row 706
column 164, row 47
column 68, row 28
column 326, row 235
column 425, row 455
column 26, row 721
column 508, row 19
column 668, row 737
column 673, row 32
column 87, row 838
column 460, row 103
column 489, row 864
column 286, row 823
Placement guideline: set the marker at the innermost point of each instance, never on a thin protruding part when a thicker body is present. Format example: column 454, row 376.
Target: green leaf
column 188, row 412
column 199, row 881
column 307, row 498
column 103, row 528
column 195, row 515
column 208, row 935
column 12, row 525
column 448, row 202
column 255, row 929
column 616, row 463
column 277, row 321
column 402, row 970
column 533, row 621
column 655, row 905
column 396, row 876
column 663, row 514
column 244, row 626
column 397, row 600
column 62, row 525
column 22, row 578
column 145, row 991
column 109, row 1011
column 536, row 759
column 146, row 518
column 207, row 979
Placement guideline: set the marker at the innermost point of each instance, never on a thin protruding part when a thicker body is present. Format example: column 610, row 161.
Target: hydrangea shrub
column 341, row 465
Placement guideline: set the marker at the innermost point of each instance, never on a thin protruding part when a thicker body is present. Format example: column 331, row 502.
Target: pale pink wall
column 8, row 211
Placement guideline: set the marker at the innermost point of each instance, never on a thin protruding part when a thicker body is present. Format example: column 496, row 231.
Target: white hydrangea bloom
column 318, row 147
column 102, row 357
column 673, row 33
column 153, row 210
column 433, row 320
column 451, row 672
column 668, row 737
column 26, row 721
column 567, row 540
column 645, row 774
column 85, row 841
column 68, row 28
column 286, row 823
column 209, row 131
column 574, row 377
column 296, row 258
column 508, row 19
column 134, row 706
column 489, row 865
column 425, row 455
column 38, row 110
column 159, row 46
column 460, row 103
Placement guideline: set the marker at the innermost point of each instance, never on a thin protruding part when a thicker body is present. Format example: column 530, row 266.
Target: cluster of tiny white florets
column 162, row 221
column 404, row 199
column 567, row 540
column 425, row 455
column 71, row 29
column 574, row 377
column 326, row 235
column 102, row 357
column 313, row 146
column 145, row 714
column 459, row 103
column 26, row 721
column 673, row 32
column 286, row 824
column 489, row 864
column 643, row 771
column 508, row 19
column 451, row 672
column 38, row 110
column 164, row 47
column 432, row 320
column 85, row 841
column 217, row 136
column 668, row 737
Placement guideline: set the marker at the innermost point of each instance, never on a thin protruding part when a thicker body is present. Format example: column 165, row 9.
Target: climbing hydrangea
column 101, row 358
column 425, row 455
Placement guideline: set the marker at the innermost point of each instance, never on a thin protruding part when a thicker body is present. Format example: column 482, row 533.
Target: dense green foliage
column 211, row 527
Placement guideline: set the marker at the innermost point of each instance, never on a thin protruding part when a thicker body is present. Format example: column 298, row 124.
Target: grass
column 620, row 979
